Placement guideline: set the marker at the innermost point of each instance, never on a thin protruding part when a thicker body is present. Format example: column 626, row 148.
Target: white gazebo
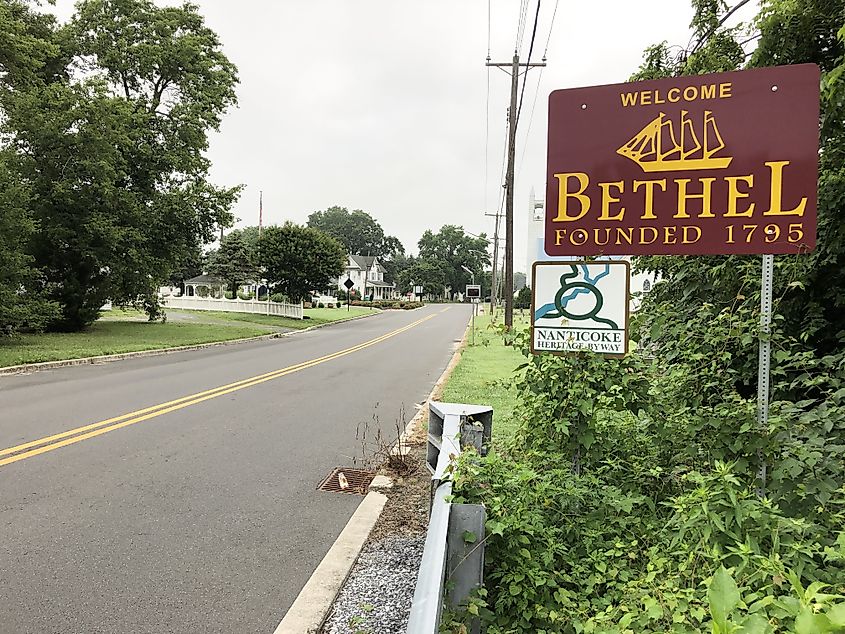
column 214, row 286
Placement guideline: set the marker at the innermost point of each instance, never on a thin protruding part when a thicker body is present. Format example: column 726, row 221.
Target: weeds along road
column 177, row 493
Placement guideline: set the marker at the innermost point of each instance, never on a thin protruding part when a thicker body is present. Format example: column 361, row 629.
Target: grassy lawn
column 122, row 330
column 316, row 316
column 483, row 375
column 114, row 337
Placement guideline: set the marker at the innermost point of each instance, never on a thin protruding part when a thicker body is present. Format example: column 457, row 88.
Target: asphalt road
column 201, row 515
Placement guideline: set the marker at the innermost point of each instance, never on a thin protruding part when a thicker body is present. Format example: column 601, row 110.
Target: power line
column 717, row 26
column 551, row 27
column 487, row 118
column 537, row 90
column 530, row 50
column 530, row 120
column 488, row 28
column 520, row 29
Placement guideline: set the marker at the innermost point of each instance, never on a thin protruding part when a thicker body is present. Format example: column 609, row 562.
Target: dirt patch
column 406, row 510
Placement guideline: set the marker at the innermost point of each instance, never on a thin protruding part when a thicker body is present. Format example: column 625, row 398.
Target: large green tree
column 297, row 260
column 357, row 231
column 109, row 115
column 21, row 306
column 452, row 249
column 236, row 260
column 429, row 274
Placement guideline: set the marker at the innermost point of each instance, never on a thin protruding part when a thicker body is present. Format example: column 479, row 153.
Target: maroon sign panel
column 714, row 164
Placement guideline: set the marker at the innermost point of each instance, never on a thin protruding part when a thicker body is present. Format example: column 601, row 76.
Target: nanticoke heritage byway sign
column 714, row 164
column 580, row 306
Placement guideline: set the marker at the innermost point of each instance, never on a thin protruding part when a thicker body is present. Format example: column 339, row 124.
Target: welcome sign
column 725, row 163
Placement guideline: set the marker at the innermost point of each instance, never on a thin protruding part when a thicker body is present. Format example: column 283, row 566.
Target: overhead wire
column 520, row 28
column 537, row 90
column 487, row 117
column 530, row 51
column 551, row 27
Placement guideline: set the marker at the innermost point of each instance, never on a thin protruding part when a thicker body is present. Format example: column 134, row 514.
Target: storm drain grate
column 345, row 480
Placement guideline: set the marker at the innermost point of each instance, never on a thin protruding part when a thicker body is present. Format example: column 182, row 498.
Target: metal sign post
column 473, row 293
column 764, row 359
column 348, row 284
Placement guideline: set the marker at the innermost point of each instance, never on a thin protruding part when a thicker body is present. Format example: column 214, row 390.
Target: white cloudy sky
column 381, row 105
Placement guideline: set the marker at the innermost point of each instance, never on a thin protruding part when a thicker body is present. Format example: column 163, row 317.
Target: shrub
column 630, row 487
column 229, row 295
column 245, row 296
column 389, row 304
column 321, row 305
column 279, row 297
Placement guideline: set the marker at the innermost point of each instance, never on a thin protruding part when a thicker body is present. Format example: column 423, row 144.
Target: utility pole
column 513, row 119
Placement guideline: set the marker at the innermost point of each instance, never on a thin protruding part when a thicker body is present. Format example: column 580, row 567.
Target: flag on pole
column 260, row 211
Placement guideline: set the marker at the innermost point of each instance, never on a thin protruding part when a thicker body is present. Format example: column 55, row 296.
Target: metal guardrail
column 447, row 554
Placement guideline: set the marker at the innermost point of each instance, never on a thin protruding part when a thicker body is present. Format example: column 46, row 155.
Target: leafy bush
column 389, row 304
column 321, row 305
column 245, row 296
column 229, row 295
column 630, row 483
column 281, row 298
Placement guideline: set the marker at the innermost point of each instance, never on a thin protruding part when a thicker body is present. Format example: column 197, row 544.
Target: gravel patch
column 376, row 598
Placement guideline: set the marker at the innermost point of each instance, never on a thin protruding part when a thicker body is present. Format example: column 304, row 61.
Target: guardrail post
column 465, row 555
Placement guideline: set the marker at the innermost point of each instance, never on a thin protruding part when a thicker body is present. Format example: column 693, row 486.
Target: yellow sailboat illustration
column 656, row 148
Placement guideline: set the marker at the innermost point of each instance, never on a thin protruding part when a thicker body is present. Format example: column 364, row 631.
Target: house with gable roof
column 367, row 273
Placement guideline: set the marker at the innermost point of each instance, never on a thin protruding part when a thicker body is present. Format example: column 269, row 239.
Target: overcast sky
column 381, row 105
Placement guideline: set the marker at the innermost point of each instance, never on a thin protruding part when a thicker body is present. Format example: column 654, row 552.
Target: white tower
column 536, row 231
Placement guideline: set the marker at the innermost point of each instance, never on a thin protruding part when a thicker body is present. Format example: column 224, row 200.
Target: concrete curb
column 315, row 600
column 310, row 608
column 28, row 368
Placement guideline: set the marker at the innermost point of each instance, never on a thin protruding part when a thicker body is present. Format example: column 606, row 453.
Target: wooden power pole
column 513, row 119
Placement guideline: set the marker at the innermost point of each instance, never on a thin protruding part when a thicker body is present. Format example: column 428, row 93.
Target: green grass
column 126, row 330
column 115, row 337
column 316, row 316
column 484, row 375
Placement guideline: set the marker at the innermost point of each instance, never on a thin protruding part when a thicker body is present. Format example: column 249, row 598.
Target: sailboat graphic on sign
column 656, row 148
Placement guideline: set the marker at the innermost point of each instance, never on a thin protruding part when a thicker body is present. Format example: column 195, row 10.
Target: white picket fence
column 279, row 309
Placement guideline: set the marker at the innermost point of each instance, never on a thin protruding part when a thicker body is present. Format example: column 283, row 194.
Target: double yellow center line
column 56, row 441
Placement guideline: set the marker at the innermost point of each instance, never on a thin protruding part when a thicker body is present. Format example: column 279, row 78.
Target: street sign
column 473, row 291
column 725, row 163
column 348, row 283
column 418, row 290
column 577, row 306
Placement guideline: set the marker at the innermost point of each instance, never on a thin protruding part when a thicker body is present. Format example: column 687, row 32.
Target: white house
column 367, row 275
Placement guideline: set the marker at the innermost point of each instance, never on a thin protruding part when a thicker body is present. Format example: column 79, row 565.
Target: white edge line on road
column 311, row 607
column 308, row 611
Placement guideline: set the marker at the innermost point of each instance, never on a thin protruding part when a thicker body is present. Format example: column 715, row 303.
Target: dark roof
column 364, row 262
column 205, row 279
